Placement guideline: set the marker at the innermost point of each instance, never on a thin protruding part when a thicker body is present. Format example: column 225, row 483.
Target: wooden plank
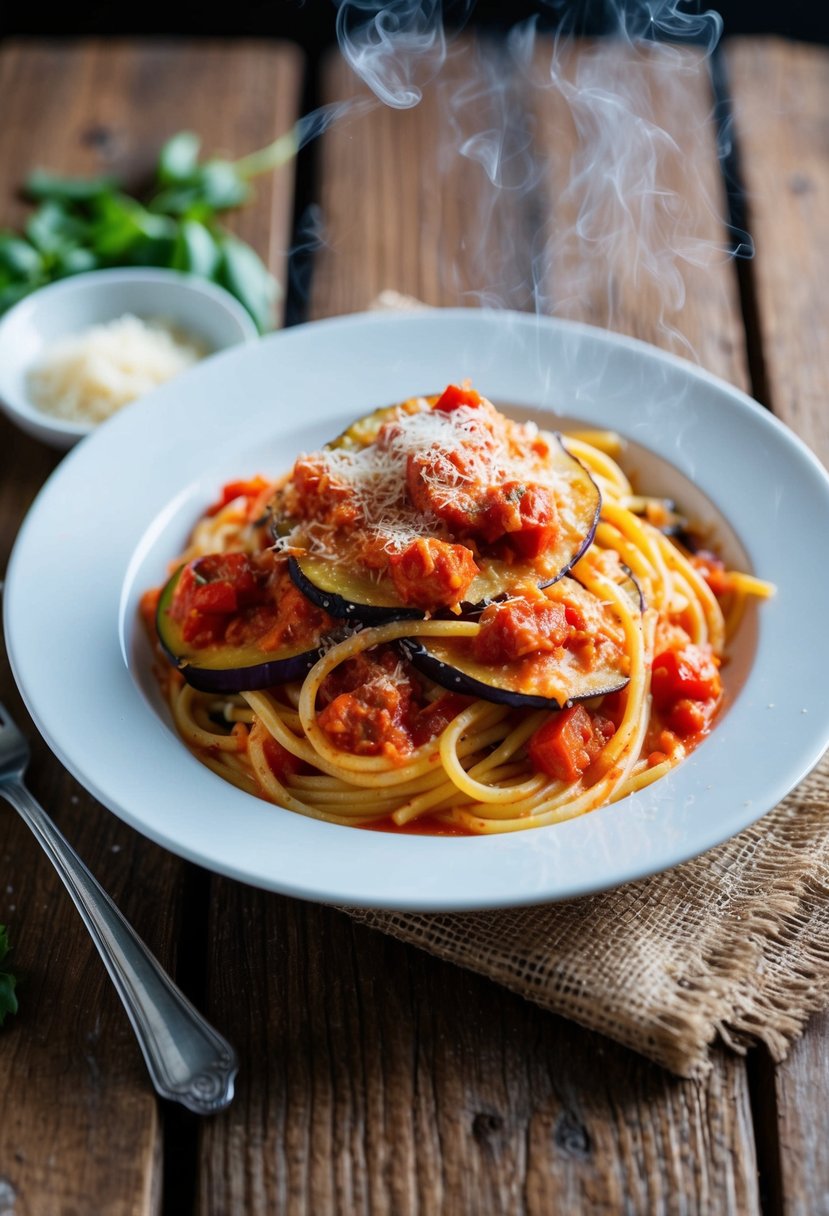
column 375, row 1077
column 636, row 206
column 797, row 1098
column 780, row 94
column 780, row 99
column 80, row 1129
column 428, row 224
column 378, row 1079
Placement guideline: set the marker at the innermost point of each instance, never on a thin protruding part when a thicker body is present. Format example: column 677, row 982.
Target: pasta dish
column 446, row 621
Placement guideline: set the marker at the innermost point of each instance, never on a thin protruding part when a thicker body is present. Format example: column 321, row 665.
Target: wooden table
column 374, row 1078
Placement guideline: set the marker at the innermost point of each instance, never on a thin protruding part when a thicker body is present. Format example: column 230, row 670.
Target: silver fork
column 188, row 1061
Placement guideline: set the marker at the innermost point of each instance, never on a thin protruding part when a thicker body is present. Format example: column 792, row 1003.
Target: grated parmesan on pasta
column 374, row 476
column 90, row 375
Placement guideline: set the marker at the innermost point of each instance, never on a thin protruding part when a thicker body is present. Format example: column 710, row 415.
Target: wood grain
column 780, row 100
column 798, row 1102
column 429, row 223
column 635, row 207
column 377, row 1079
column 80, row 1128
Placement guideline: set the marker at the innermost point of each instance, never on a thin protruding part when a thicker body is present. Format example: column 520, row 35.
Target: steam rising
column 572, row 164
column 396, row 48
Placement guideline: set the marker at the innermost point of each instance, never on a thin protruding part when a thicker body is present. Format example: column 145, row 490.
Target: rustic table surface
column 375, row 1078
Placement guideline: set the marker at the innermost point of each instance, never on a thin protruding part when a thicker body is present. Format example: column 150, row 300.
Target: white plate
column 121, row 504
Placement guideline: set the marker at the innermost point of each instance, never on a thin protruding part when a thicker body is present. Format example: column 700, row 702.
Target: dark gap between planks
column 739, row 217
column 762, row 1095
column 305, row 219
column 180, row 1127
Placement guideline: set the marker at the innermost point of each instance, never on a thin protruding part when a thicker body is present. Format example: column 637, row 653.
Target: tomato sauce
column 239, row 600
column 426, row 825
column 376, row 705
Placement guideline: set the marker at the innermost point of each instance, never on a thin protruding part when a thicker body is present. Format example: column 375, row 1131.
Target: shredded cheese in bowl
column 90, row 375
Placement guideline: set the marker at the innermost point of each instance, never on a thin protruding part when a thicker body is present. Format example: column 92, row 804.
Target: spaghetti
column 446, row 622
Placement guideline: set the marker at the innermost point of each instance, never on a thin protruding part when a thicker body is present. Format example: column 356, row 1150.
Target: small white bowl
column 201, row 309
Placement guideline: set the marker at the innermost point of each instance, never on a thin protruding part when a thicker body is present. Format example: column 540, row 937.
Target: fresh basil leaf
column 42, row 185
column 195, row 250
column 178, row 200
column 178, row 159
column 19, row 258
column 83, row 223
column 8, row 1000
column 74, row 261
column 120, row 222
column 221, row 185
column 8, row 981
column 12, row 293
column 152, row 250
column 53, row 227
column 246, row 276
column 216, row 186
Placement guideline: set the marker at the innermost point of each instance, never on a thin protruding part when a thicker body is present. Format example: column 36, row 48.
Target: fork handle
column 188, row 1061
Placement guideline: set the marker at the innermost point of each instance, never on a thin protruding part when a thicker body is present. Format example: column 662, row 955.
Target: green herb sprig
column 8, row 981
column 82, row 224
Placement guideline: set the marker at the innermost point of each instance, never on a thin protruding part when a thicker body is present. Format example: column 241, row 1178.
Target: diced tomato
column 568, row 743
column 518, row 627
column 215, row 597
column 369, row 721
column 287, row 617
column 539, row 523
column 444, row 483
column 455, row 396
column 241, row 600
column 525, row 513
column 687, row 717
column 281, row 762
column 432, row 574
column 250, row 489
column 372, row 704
column 686, row 688
column 210, row 590
column 713, row 570
column 434, row 718
column 689, row 672
column 315, row 494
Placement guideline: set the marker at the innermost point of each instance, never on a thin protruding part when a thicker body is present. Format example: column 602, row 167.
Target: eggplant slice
column 346, row 591
column 539, row 680
column 228, row 669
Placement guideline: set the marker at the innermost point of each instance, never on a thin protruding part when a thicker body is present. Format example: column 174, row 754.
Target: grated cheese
column 488, row 449
column 90, row 375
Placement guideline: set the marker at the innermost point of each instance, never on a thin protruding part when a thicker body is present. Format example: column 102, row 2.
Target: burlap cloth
column 732, row 946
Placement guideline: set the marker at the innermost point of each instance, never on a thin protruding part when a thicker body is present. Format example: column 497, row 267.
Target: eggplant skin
column 457, row 679
column 449, row 663
column 343, row 608
column 245, row 679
